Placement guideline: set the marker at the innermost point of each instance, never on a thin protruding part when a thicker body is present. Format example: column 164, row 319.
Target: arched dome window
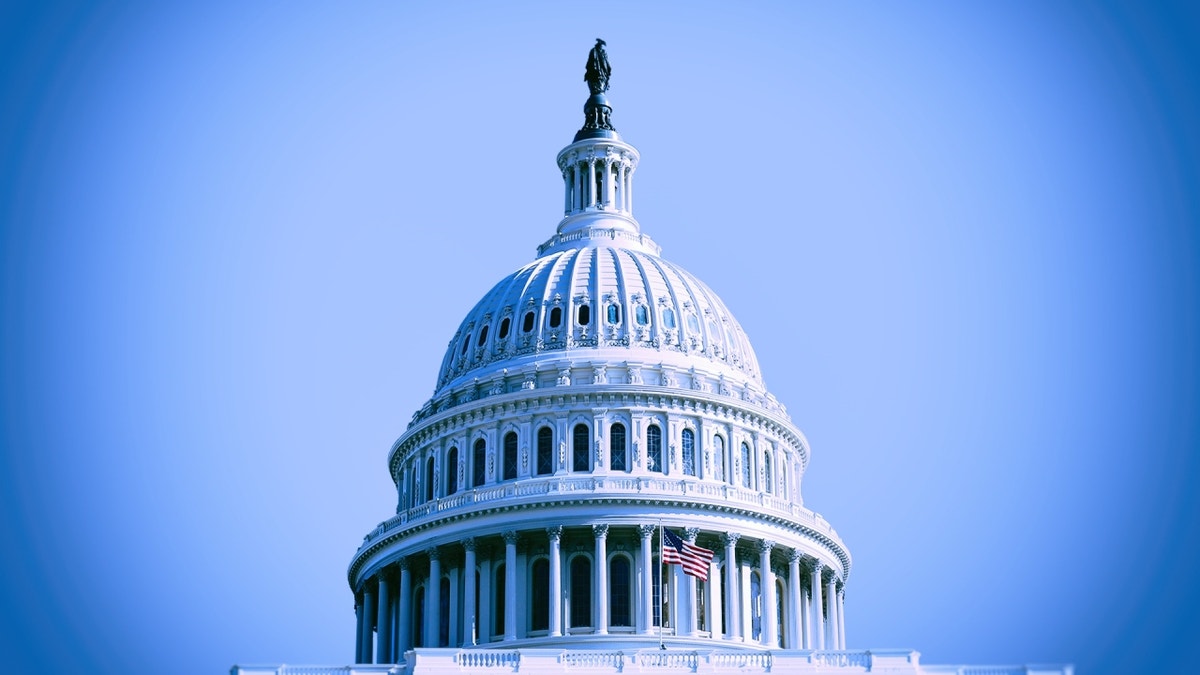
column 767, row 482
column 654, row 448
column 581, row 592
column 617, row 452
column 585, row 315
column 579, row 449
column 718, row 458
column 545, row 451
column 747, row 470
column 429, row 479
column 479, row 463
column 693, row 323
column 614, row 313
column 466, row 343
column 641, row 315
column 452, row 471
column 688, row 444
column 668, row 317
column 555, row 317
column 527, row 322
column 510, row 455
column 503, row 328
column 620, row 592
column 539, row 595
column 482, row 336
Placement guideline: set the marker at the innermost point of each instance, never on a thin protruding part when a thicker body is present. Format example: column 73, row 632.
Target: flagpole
column 661, row 578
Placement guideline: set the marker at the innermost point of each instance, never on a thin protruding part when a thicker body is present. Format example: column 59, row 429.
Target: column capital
column 554, row 532
column 647, row 531
column 730, row 538
column 815, row 566
column 510, row 537
column 765, row 546
column 793, row 556
column 690, row 533
column 468, row 544
column 404, row 564
column 601, row 531
column 433, row 553
column 385, row 574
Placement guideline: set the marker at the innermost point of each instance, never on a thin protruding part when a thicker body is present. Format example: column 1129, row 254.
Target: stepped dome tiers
column 590, row 397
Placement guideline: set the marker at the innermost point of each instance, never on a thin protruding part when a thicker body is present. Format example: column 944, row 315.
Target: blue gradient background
column 963, row 238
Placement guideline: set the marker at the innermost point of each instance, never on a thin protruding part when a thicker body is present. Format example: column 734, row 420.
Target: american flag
column 694, row 559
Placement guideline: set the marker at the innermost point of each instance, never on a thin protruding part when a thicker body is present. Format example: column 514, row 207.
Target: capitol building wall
column 594, row 402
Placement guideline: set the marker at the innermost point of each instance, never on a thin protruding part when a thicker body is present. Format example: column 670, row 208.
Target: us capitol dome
column 601, row 479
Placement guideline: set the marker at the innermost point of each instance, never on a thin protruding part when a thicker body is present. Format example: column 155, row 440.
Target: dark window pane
column 585, row 315
column 483, row 336
column 527, row 325
column 503, row 329
column 555, row 317
column 619, row 592
column 452, row 471
column 688, row 444
column 654, row 448
column 510, row 456
column 579, row 448
column 616, row 447
column 479, row 462
column 539, row 616
column 581, row 592
column 545, row 451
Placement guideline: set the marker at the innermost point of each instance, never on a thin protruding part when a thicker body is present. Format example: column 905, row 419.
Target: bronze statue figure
column 598, row 70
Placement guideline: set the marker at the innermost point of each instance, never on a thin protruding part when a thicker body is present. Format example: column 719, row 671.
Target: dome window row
column 417, row 487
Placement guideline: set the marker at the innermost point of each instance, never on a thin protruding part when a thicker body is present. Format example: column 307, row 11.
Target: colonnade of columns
column 738, row 603
column 598, row 181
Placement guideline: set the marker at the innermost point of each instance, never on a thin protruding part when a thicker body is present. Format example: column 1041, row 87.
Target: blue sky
column 963, row 238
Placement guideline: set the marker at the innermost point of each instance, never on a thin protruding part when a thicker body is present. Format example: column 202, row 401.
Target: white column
column 606, row 183
column 646, row 563
column 405, row 632
column 577, row 177
column 841, row 609
column 468, row 622
column 510, row 585
column 555, row 534
column 383, row 645
column 732, row 618
column 770, row 617
column 621, row 186
column 433, row 600
column 714, row 599
column 690, row 622
column 796, row 629
column 600, row 593
column 629, row 190
column 368, row 620
column 358, row 633
column 454, row 634
column 831, row 618
column 818, row 621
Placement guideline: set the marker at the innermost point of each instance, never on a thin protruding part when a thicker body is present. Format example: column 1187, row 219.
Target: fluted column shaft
column 841, row 605
column 796, row 628
column 818, row 621
column 647, row 569
column 600, row 594
column 468, row 623
column 770, row 615
column 358, row 631
column 433, row 600
column 510, row 585
column 831, row 613
column 555, row 534
column 383, row 620
column 732, row 618
column 368, row 620
column 405, row 633
column 591, row 187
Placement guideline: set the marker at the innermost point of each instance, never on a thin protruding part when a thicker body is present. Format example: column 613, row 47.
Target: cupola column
column 645, row 563
column 730, row 539
column 405, row 631
column 368, row 621
column 818, row 623
column 433, row 600
column 510, row 585
column 841, row 611
column 468, row 623
column 796, row 637
column 600, row 595
column 358, row 635
column 591, row 182
column 767, row 575
column 383, row 618
column 577, row 180
column 555, row 535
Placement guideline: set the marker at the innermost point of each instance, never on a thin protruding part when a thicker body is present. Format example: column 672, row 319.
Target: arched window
column 767, row 482
column 510, row 455
column 452, row 471
column 539, row 595
column 688, row 444
column 620, row 592
column 585, row 315
column 402, row 502
column 617, row 454
column 668, row 317
column 482, row 336
column 693, row 323
column 444, row 613
column 581, row 592
column 701, row 604
column 429, row 479
column 747, row 470
column 614, row 313
column 466, row 343
column 499, row 593
column 545, row 451
column 642, row 315
column 479, row 460
column 579, row 448
column 756, row 608
column 555, row 317
column 527, row 322
column 418, row 618
column 780, row 612
column 503, row 328
column 719, row 458
column 654, row 448
column 657, row 592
